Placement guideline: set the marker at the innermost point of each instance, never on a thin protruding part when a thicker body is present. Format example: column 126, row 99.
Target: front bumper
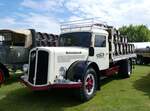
column 46, row 87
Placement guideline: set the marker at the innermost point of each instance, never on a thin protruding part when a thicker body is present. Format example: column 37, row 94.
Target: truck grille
column 32, row 67
column 42, row 68
column 38, row 68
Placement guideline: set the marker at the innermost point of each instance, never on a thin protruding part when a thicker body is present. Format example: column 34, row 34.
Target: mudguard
column 77, row 70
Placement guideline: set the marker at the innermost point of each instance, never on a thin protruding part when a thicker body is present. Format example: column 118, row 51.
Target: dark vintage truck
column 15, row 46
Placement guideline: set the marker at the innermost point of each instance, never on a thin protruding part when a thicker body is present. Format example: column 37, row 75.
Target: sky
column 46, row 15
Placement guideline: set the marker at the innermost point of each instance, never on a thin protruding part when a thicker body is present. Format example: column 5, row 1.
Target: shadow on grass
column 109, row 79
column 143, row 84
column 25, row 100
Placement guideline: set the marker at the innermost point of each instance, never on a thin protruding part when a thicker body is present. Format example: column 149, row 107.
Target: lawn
column 131, row 94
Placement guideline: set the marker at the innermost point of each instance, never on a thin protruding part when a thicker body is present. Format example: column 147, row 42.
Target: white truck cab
column 86, row 53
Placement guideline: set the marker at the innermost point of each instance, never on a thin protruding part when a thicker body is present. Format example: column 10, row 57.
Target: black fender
column 78, row 69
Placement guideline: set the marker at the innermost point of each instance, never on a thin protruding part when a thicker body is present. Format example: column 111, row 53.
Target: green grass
column 131, row 94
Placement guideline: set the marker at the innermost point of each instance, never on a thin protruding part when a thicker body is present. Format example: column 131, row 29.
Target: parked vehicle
column 15, row 46
column 143, row 56
column 87, row 52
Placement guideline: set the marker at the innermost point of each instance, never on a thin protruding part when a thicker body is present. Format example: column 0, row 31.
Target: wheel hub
column 89, row 84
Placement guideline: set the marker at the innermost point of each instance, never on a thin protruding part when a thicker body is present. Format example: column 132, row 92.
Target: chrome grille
column 38, row 69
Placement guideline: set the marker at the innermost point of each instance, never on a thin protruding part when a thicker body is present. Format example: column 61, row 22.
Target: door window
column 100, row 41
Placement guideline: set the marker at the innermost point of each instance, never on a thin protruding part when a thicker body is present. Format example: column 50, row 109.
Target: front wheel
column 89, row 85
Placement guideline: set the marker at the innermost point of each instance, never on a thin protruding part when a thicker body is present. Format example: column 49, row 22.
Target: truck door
column 17, row 53
column 101, row 51
column 12, row 48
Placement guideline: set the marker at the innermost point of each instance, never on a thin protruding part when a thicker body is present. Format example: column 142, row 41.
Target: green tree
column 136, row 33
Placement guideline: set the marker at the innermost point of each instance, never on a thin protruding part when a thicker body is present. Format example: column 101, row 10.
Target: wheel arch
column 77, row 70
column 95, row 67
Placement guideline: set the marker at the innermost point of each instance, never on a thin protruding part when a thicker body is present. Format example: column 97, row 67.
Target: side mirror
column 91, row 51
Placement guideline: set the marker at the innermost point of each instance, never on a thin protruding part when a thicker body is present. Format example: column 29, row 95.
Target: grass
column 132, row 94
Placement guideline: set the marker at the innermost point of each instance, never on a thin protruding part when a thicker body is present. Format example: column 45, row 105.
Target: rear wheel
column 125, row 68
column 4, row 74
column 89, row 85
column 1, row 76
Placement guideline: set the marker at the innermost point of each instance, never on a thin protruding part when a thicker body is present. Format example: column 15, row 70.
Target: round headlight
column 25, row 68
column 62, row 71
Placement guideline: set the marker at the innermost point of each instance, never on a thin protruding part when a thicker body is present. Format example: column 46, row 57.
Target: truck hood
column 70, row 50
column 62, row 58
column 70, row 54
column 66, row 50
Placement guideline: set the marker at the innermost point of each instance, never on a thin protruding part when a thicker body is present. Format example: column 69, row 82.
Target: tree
column 137, row 33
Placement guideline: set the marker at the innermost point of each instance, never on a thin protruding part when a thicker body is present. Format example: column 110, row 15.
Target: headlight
column 25, row 68
column 62, row 71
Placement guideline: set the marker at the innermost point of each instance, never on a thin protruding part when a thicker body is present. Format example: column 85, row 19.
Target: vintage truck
column 15, row 46
column 88, row 51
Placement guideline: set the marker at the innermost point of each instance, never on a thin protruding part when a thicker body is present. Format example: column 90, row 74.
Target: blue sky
column 45, row 15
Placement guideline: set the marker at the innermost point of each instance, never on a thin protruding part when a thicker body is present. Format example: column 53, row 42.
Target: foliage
column 137, row 33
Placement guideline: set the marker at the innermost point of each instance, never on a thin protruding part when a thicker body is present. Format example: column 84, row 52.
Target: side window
column 100, row 41
column 5, row 39
column 1, row 39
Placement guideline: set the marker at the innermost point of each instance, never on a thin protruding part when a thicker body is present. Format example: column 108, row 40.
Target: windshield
column 81, row 39
column 8, row 38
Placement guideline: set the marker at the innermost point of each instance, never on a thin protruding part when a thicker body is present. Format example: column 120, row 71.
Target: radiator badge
column 73, row 53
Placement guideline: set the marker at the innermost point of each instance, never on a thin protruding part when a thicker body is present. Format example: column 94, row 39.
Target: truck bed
column 122, row 57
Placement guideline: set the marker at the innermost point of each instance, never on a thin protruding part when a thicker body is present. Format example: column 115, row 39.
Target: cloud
column 43, row 5
column 42, row 23
column 74, row 18
column 7, row 22
column 44, row 15
column 115, row 12
column 35, row 21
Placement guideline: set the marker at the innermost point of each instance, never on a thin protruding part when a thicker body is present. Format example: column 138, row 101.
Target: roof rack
column 85, row 23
